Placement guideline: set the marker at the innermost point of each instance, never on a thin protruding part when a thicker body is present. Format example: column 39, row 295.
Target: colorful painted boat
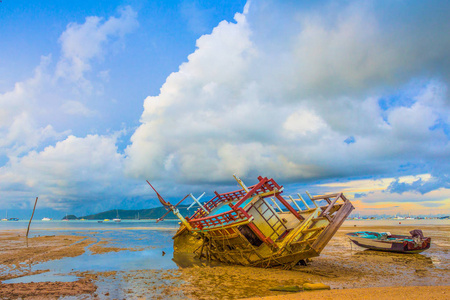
column 257, row 226
column 385, row 241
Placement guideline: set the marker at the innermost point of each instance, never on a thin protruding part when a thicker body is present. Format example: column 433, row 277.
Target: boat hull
column 238, row 251
column 398, row 244
column 257, row 226
column 239, row 245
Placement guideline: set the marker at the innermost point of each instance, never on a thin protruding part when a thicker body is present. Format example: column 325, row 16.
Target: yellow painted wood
column 294, row 233
column 182, row 219
column 241, row 183
column 224, row 227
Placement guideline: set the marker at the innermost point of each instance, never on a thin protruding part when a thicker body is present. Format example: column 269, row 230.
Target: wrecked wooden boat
column 385, row 241
column 257, row 226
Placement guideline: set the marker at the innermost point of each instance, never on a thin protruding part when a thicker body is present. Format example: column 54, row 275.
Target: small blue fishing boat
column 385, row 241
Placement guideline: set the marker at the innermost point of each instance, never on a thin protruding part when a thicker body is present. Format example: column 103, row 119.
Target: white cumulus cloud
column 75, row 171
column 35, row 125
column 81, row 43
column 299, row 97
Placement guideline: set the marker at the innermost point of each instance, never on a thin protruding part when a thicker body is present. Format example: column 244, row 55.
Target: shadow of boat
column 397, row 257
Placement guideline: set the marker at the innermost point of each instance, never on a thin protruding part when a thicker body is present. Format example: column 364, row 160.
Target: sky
column 326, row 96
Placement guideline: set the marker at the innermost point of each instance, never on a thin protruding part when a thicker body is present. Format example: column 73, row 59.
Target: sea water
column 155, row 245
column 152, row 240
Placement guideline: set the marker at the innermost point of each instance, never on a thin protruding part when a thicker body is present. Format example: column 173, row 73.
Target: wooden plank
column 328, row 217
column 259, row 234
column 337, row 205
column 284, row 259
column 250, row 193
column 224, row 237
column 328, row 233
column 276, row 204
column 289, row 207
column 297, row 231
column 307, row 211
column 250, row 246
column 313, row 229
column 307, row 241
column 331, row 205
column 295, row 203
column 304, row 202
column 320, row 197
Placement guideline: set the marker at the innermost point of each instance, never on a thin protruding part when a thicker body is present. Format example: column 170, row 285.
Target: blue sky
column 96, row 97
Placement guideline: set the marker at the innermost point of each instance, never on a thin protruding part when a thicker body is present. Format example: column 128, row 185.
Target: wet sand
column 47, row 290
column 349, row 270
column 353, row 272
column 398, row 293
column 16, row 259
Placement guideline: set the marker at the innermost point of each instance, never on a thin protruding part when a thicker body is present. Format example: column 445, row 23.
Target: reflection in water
column 188, row 260
column 44, row 277
column 149, row 246
column 145, row 252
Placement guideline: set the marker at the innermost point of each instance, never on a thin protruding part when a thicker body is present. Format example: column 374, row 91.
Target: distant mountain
column 152, row 213
column 69, row 217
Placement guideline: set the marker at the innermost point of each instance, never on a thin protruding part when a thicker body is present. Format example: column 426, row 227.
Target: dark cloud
column 360, row 195
column 420, row 186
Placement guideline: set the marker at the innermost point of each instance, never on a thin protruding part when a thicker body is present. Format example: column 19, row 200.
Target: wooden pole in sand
column 29, row 223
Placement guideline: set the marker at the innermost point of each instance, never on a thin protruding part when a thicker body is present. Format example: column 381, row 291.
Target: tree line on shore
column 132, row 214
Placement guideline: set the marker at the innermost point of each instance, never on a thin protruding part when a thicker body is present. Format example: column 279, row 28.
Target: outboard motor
column 417, row 236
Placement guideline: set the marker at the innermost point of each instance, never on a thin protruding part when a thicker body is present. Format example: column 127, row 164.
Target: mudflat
column 401, row 293
column 350, row 271
column 18, row 254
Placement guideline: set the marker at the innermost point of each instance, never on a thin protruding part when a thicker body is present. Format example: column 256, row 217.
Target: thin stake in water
column 29, row 223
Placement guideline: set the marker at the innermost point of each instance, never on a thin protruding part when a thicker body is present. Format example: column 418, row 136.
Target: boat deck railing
column 265, row 185
column 220, row 220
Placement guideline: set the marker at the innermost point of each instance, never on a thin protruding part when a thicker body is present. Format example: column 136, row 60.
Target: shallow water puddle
column 43, row 277
column 112, row 261
column 145, row 251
